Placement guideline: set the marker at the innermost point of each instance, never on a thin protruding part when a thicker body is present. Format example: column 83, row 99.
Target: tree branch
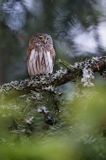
column 62, row 76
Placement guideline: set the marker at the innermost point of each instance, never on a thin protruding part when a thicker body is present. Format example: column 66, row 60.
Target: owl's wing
column 30, row 47
column 53, row 54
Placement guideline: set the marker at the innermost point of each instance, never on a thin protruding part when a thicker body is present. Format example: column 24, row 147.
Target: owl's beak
column 45, row 41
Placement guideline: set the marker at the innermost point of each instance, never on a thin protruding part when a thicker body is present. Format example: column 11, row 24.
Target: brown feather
column 40, row 55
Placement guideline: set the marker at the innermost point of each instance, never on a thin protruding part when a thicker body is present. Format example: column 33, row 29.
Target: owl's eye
column 47, row 38
column 41, row 37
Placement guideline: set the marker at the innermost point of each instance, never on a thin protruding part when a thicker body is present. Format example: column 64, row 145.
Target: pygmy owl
column 41, row 55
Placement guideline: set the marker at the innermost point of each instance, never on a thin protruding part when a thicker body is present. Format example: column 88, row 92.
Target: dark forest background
column 78, row 28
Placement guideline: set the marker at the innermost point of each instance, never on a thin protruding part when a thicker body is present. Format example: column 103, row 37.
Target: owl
column 40, row 55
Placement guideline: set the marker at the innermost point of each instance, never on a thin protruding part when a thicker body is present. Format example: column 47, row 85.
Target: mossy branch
column 62, row 76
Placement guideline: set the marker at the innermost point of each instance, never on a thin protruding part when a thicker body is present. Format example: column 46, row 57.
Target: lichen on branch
column 62, row 76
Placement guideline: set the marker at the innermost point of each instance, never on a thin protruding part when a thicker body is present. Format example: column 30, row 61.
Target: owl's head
column 44, row 38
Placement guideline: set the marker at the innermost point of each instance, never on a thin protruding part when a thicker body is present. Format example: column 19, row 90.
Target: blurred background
column 75, row 127
column 78, row 28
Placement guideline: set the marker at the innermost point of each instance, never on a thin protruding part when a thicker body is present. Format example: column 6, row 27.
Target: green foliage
column 78, row 135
